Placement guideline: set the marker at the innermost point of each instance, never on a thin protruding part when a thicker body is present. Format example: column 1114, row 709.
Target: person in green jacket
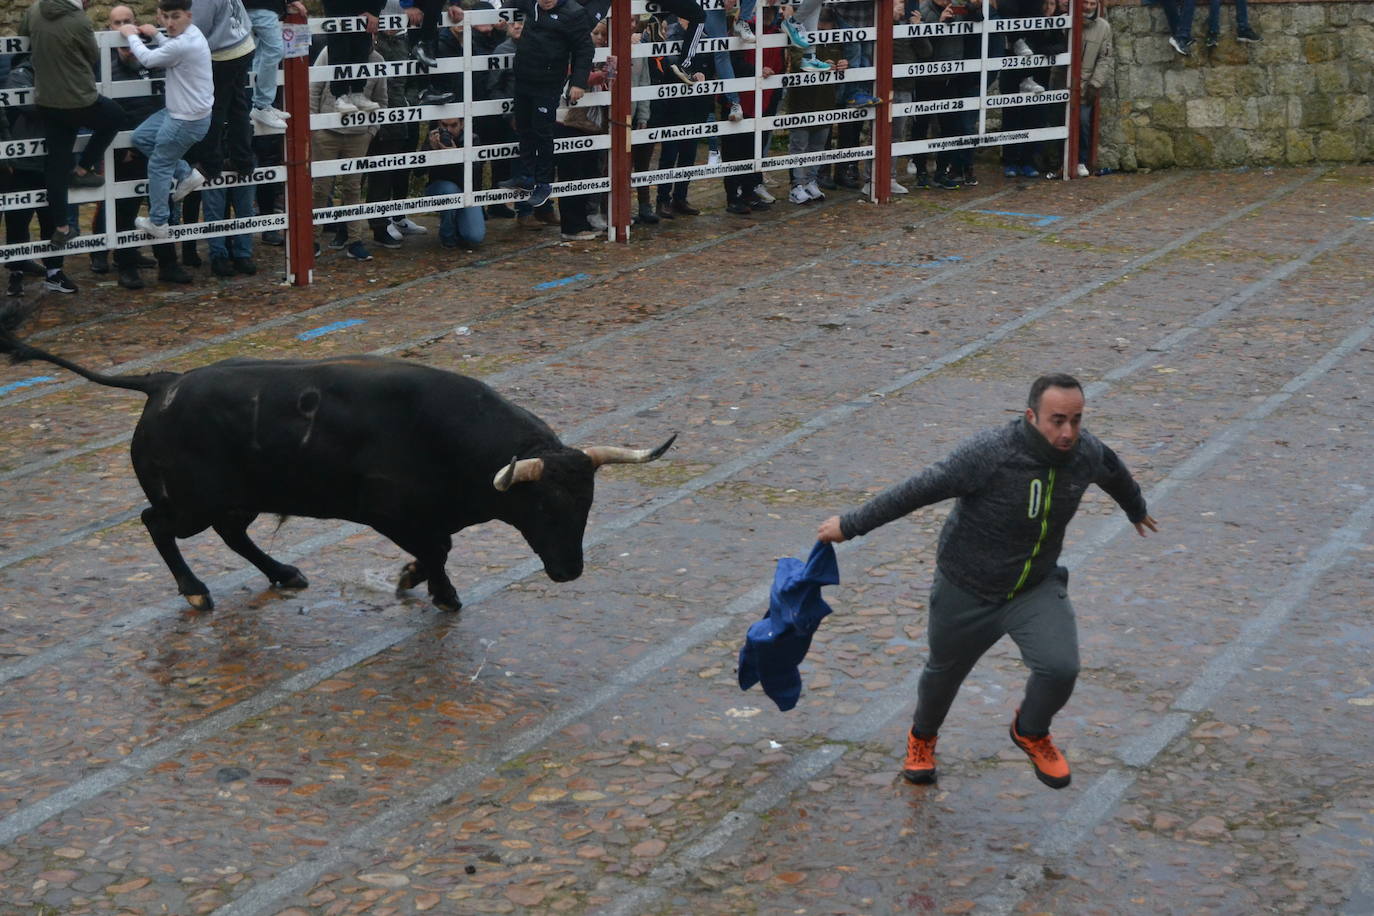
column 65, row 61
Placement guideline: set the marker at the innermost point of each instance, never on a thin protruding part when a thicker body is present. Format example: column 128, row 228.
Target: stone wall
column 1302, row 94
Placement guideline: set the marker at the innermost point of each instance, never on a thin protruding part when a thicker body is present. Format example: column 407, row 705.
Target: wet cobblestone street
column 584, row 747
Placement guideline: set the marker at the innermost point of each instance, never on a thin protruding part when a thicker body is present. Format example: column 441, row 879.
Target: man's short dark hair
column 1056, row 380
column 168, row 6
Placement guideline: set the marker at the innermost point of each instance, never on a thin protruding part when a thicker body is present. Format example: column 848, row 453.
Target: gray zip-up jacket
column 1015, row 496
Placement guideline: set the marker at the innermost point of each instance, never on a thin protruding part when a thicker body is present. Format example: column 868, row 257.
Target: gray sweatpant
column 962, row 627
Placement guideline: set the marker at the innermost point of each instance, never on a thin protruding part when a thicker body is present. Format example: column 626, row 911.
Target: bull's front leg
column 431, row 552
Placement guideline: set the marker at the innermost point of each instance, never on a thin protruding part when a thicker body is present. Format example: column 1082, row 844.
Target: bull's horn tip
column 658, row 452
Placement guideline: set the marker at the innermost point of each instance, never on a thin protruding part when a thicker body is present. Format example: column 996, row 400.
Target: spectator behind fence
column 582, row 120
column 228, row 144
column 641, row 74
column 440, row 88
column 555, row 47
column 166, row 135
column 343, row 143
column 65, row 59
column 351, row 95
column 503, row 87
column 796, row 22
column 21, row 122
column 489, row 39
column 459, row 227
column 675, row 112
column 1179, row 15
column 394, row 139
column 744, row 190
column 1096, row 67
column 265, row 17
column 905, row 51
column 802, row 100
column 953, row 165
column 131, row 165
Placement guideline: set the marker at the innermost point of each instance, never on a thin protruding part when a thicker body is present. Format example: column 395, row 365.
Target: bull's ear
column 521, row 470
column 606, row 454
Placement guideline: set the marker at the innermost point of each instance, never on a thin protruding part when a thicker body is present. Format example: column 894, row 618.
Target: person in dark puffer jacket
column 555, row 47
column 1016, row 488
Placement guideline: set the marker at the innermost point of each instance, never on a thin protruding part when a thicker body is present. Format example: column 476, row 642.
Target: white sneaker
column 267, row 118
column 278, row 112
column 408, row 226
column 744, row 32
column 736, row 112
column 343, row 104
column 815, row 191
column 762, row 194
column 866, row 190
column 394, row 232
column 911, row 167
column 897, row 188
column 713, row 158
column 1081, row 171
column 596, row 221
column 150, row 227
column 1022, row 49
column 362, row 102
column 188, row 184
column 799, row 195
column 1030, row 86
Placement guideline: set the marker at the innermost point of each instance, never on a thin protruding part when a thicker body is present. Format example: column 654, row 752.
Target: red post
column 880, row 176
column 622, row 161
column 1075, row 78
column 300, row 226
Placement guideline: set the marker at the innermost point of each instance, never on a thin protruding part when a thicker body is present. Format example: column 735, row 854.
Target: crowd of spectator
column 218, row 112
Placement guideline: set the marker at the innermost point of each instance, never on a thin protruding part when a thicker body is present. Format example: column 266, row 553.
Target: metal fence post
column 880, row 176
column 622, row 160
column 300, row 225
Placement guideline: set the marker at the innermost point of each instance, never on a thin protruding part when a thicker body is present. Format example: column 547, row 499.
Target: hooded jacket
column 554, row 44
column 1015, row 497
column 64, row 54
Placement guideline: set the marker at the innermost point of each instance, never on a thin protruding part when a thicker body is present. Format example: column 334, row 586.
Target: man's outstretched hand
column 829, row 531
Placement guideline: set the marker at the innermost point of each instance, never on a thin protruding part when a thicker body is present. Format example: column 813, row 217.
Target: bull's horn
column 609, row 454
column 521, row 470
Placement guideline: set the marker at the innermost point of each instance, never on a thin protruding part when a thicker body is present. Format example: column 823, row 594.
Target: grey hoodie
column 1015, row 497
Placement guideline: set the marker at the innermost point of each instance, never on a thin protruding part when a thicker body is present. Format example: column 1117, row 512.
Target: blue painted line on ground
column 939, row 262
column 1366, row 219
column 36, row 380
column 1040, row 218
column 330, row 328
column 564, row 282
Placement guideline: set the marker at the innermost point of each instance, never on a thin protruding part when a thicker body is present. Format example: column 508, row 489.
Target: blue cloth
column 776, row 645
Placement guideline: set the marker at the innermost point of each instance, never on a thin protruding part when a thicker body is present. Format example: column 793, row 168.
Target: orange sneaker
column 920, row 759
column 1050, row 766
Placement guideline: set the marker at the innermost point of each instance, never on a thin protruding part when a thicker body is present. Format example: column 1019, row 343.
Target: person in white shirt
column 166, row 135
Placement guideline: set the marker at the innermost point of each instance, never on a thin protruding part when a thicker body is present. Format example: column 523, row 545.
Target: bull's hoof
column 451, row 604
column 410, row 577
column 291, row 578
column 200, row 602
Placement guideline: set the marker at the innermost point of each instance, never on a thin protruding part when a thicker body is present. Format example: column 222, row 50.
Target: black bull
column 414, row 452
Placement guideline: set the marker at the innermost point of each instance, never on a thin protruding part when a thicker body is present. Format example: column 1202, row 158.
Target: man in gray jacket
column 1016, row 489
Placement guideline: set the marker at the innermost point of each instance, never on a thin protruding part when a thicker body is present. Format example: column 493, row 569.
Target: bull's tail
column 20, row 352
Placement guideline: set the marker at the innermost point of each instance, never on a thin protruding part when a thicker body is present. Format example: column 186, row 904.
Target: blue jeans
column 164, row 140
column 1214, row 16
column 715, row 28
column 215, row 205
column 459, row 224
column 271, row 49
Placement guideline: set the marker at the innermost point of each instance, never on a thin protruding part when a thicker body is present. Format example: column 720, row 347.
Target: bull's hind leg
column 234, row 531
column 163, row 533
